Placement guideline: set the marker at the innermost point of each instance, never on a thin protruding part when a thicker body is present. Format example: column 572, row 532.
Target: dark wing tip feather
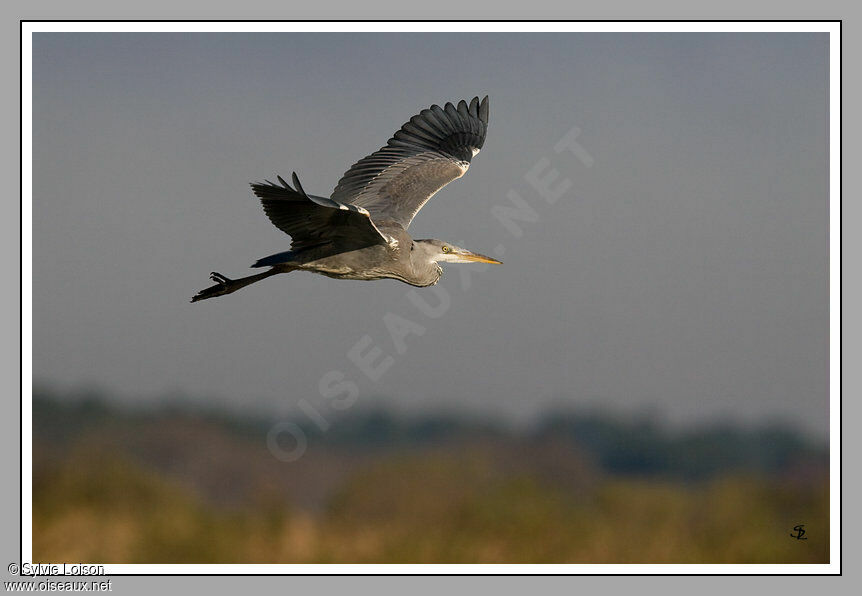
column 456, row 130
column 296, row 184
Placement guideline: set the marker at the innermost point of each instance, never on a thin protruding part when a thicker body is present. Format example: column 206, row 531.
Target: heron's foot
column 224, row 285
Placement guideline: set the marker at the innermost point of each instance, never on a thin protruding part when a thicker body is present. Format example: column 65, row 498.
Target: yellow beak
column 477, row 258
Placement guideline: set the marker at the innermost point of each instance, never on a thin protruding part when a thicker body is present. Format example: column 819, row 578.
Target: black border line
column 840, row 22
column 21, row 293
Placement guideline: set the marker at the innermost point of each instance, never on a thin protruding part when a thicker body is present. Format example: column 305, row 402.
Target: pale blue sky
column 685, row 271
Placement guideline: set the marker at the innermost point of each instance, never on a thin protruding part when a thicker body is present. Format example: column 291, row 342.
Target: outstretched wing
column 315, row 221
column 430, row 151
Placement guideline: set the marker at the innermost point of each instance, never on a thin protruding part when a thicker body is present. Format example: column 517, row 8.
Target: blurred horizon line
column 649, row 417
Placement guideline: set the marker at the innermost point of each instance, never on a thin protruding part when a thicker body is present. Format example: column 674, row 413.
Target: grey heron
column 360, row 231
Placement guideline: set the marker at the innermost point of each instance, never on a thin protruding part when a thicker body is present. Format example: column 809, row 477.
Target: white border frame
column 835, row 156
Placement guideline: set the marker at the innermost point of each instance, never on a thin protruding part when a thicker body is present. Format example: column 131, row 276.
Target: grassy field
column 428, row 508
column 178, row 488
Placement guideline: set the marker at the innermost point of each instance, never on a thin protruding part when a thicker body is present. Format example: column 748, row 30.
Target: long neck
column 423, row 271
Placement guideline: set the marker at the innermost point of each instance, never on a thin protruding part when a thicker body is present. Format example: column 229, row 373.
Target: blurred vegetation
column 181, row 485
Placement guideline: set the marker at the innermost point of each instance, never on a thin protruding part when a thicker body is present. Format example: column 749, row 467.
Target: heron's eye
column 446, row 248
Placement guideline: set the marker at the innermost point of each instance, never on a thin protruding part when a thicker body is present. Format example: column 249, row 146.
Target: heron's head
column 438, row 251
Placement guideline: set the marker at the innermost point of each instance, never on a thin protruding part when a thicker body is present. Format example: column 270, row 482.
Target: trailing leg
column 226, row 285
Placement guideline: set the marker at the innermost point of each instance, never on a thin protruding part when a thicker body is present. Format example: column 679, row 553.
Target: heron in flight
column 360, row 231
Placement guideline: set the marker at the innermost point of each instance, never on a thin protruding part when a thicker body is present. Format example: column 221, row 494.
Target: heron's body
column 398, row 259
column 360, row 232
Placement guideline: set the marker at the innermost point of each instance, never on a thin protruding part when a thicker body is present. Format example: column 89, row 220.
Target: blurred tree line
column 177, row 482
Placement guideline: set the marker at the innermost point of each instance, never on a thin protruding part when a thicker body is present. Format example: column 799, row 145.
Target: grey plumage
column 431, row 150
column 360, row 232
